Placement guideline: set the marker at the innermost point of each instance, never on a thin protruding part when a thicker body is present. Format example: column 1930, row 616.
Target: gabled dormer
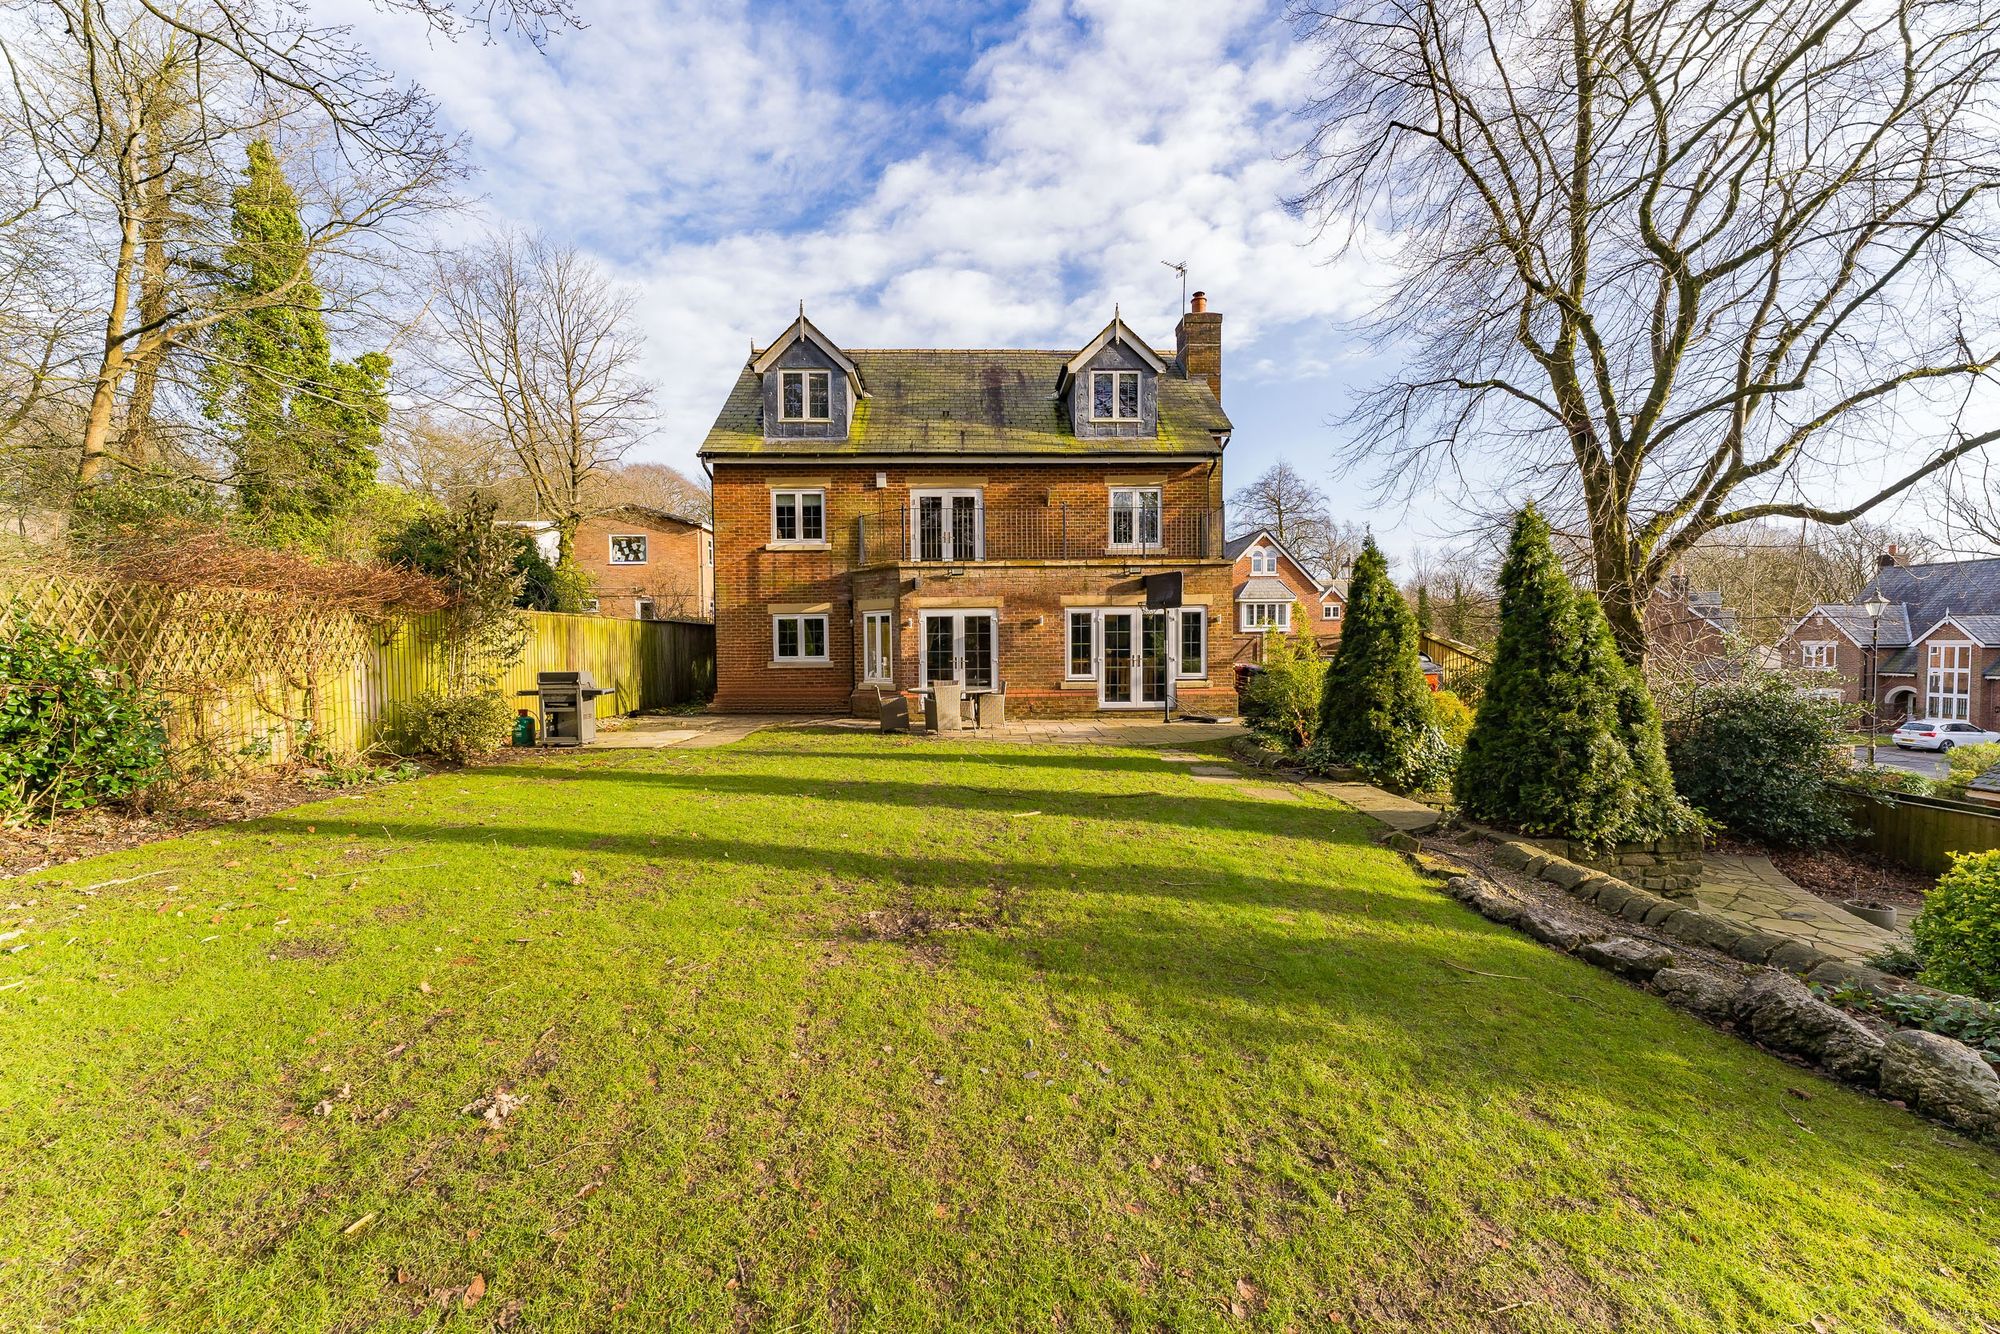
column 810, row 387
column 1112, row 387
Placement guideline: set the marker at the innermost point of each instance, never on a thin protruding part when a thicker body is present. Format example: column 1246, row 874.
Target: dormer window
column 1263, row 561
column 804, row 396
column 1114, row 396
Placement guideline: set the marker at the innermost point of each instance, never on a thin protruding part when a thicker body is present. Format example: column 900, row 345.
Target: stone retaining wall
column 1936, row 1075
column 1670, row 866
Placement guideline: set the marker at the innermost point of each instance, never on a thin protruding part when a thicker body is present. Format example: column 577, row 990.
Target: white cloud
column 712, row 159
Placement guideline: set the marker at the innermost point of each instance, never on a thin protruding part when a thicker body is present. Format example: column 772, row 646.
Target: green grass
column 1167, row 1047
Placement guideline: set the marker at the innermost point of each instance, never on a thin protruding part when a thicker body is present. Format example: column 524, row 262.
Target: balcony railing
column 1052, row 532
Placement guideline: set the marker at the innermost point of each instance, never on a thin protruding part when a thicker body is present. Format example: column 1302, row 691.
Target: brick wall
column 1849, row 659
column 754, row 577
column 678, row 574
column 1305, row 591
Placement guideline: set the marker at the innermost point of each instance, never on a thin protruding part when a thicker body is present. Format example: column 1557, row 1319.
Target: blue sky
column 976, row 173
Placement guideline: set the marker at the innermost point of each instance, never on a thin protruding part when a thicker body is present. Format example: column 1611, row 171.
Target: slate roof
column 1986, row 782
column 1852, row 619
column 1985, row 629
column 1265, row 588
column 1236, row 546
column 1932, row 592
column 1903, row 662
column 942, row 402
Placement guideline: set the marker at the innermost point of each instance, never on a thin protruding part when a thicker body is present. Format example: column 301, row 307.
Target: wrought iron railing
column 1044, row 532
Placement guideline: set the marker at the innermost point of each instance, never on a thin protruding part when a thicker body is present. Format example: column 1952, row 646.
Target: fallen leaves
column 473, row 1292
column 495, row 1107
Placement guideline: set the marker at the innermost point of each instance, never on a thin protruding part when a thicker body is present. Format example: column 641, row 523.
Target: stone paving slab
column 1751, row 890
column 1214, row 771
column 1399, row 813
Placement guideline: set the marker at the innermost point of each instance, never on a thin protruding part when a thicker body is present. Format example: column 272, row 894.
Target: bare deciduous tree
column 132, row 118
column 1297, row 513
column 657, row 486
column 535, row 346
column 1673, row 266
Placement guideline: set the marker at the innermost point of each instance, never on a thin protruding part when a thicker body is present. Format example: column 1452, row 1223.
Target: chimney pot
column 1198, row 344
column 1891, row 556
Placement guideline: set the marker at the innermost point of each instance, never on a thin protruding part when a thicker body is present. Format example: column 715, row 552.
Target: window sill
column 801, row 662
column 780, row 545
column 805, row 421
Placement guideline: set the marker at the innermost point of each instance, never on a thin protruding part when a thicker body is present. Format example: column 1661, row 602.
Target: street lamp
column 1874, row 606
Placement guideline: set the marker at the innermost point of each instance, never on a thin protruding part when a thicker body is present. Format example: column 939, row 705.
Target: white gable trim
column 803, row 329
column 1953, row 622
column 1323, row 587
column 1833, row 623
column 1116, row 331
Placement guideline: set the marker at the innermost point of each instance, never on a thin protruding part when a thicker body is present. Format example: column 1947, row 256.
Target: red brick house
column 1935, row 648
column 1270, row 586
column 643, row 563
column 1688, row 628
column 1002, row 519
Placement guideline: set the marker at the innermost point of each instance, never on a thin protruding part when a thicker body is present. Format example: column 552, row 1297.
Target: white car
column 1939, row 734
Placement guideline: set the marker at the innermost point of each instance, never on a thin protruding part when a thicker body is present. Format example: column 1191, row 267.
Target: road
column 1926, row 762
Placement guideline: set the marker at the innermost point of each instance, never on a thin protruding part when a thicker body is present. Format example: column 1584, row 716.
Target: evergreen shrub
column 1375, row 707
column 1566, row 742
column 73, row 731
column 1761, row 758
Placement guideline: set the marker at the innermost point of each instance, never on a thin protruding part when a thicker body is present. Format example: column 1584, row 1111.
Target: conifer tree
column 303, row 427
column 1375, row 710
column 1566, row 741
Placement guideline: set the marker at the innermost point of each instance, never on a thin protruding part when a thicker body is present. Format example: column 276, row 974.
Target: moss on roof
column 942, row 402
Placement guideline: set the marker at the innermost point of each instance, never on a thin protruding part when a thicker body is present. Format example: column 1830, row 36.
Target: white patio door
column 949, row 525
column 962, row 646
column 1136, row 659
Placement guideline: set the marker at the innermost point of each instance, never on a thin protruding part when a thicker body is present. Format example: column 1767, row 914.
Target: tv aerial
column 1181, row 268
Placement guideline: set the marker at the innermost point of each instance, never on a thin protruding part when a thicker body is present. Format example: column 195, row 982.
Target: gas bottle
column 524, row 728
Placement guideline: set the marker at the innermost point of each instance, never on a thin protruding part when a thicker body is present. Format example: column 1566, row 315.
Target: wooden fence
column 1456, row 662
column 1923, row 832
column 248, row 681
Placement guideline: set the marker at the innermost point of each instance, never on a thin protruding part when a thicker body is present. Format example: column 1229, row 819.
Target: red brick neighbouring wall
column 675, row 574
column 751, row 578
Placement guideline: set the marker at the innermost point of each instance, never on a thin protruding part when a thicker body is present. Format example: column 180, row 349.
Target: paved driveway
column 1926, row 762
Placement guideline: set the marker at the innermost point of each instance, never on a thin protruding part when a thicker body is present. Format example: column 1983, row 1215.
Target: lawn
column 837, row 1031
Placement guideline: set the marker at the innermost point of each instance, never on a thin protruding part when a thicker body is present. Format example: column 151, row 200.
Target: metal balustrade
column 970, row 534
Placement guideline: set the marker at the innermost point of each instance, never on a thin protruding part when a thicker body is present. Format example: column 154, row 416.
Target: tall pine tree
column 1375, row 709
column 303, row 427
column 1566, row 742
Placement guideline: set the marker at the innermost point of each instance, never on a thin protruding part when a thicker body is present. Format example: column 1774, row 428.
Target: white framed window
column 798, row 516
column 1082, row 646
column 948, row 525
column 1135, row 517
column 628, row 548
column 1266, row 615
column 1114, row 396
column 805, row 396
column 642, row 609
column 798, row 638
column 1263, row 561
column 1816, row 655
column 590, row 605
column 1194, row 644
column 1948, row 681
column 878, row 647
column 1330, row 611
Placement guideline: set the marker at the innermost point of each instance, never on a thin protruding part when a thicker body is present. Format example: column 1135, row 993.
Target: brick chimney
column 1893, row 556
column 1198, row 344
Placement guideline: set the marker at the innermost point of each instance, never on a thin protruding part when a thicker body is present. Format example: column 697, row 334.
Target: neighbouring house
column 1270, row 586
column 1044, row 522
column 1689, row 628
column 1934, row 652
column 643, row 563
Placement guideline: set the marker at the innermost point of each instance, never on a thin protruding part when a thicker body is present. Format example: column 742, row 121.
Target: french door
column 948, row 526
column 962, row 646
column 1135, row 662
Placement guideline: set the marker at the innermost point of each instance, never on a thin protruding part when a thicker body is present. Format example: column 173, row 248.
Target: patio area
column 699, row 731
